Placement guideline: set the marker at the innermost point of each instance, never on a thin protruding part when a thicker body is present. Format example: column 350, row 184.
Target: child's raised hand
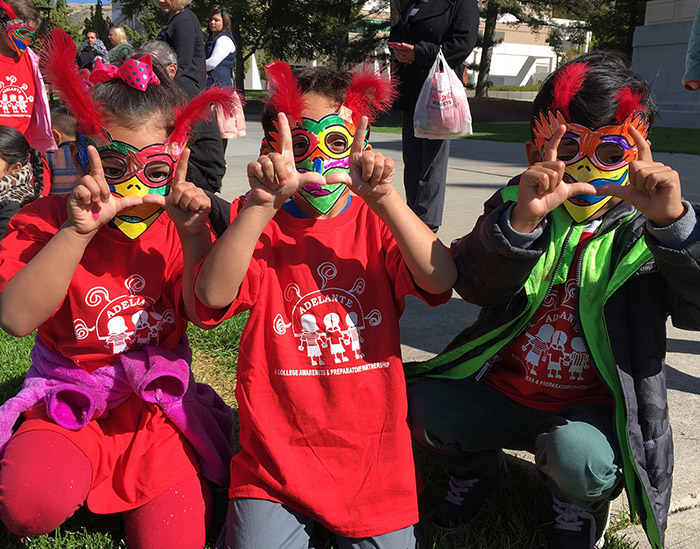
column 187, row 205
column 91, row 204
column 273, row 177
column 371, row 173
column 653, row 188
column 540, row 190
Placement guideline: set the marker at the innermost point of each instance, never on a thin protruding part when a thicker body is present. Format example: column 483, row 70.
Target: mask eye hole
column 24, row 33
column 610, row 154
column 300, row 145
column 113, row 167
column 157, row 172
column 337, row 142
column 568, row 149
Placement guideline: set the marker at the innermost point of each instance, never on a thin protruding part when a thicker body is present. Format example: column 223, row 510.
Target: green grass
column 510, row 519
column 670, row 140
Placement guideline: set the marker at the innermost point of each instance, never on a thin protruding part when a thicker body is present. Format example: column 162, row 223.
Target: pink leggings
column 45, row 478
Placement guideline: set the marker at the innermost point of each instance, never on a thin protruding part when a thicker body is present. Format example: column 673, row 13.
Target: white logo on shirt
column 14, row 101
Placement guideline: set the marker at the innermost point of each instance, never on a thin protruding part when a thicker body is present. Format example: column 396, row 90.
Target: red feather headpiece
column 58, row 64
column 8, row 10
column 567, row 84
column 285, row 95
column 370, row 94
column 627, row 103
column 200, row 108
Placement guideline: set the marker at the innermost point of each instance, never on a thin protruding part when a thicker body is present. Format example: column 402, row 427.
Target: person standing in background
column 121, row 49
column 423, row 28
column 184, row 35
column 220, row 51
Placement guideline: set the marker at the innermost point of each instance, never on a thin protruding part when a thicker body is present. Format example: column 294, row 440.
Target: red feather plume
column 8, row 10
column 285, row 95
column 200, row 108
column 627, row 103
column 567, row 84
column 370, row 93
column 58, row 64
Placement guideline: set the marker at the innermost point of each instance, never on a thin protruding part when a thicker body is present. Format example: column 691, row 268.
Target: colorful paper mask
column 321, row 146
column 131, row 171
column 598, row 157
column 20, row 34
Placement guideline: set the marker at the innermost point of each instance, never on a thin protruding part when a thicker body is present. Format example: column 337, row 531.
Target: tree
column 614, row 22
column 58, row 17
column 98, row 23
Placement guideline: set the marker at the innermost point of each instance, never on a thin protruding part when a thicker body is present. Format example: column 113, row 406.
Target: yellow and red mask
column 130, row 171
column 596, row 156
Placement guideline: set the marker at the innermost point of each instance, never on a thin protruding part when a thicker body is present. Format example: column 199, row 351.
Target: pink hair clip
column 137, row 73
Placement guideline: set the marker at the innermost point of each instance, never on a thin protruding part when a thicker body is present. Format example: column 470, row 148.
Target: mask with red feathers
column 18, row 30
column 593, row 155
column 323, row 146
column 127, row 170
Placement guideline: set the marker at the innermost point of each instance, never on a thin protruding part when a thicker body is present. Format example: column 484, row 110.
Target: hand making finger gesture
column 371, row 173
column 187, row 205
column 540, row 190
column 653, row 188
column 91, row 204
column 273, row 177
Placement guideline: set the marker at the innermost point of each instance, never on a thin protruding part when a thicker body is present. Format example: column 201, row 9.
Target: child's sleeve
column 27, row 233
column 250, row 286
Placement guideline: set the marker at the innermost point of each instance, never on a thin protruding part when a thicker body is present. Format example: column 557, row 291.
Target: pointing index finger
column 98, row 174
column 550, row 150
column 285, row 134
column 358, row 141
column 643, row 148
column 181, row 170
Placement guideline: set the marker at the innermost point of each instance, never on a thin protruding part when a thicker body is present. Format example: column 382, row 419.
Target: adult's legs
column 425, row 173
column 261, row 524
column 44, row 479
column 177, row 518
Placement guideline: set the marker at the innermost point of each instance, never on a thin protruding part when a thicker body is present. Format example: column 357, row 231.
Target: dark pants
column 464, row 424
column 424, row 173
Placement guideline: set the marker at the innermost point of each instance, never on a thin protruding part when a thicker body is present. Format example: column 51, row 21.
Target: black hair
column 225, row 19
column 24, row 10
column 331, row 83
column 132, row 107
column 594, row 105
column 14, row 147
column 63, row 120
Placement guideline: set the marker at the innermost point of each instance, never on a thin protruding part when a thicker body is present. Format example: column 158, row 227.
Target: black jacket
column 452, row 24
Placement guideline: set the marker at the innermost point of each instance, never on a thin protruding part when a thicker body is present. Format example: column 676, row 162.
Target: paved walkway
column 476, row 170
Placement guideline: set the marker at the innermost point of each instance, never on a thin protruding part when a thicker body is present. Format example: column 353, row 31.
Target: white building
column 523, row 56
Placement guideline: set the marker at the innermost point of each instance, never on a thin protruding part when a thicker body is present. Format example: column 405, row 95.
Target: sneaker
column 465, row 498
column 575, row 528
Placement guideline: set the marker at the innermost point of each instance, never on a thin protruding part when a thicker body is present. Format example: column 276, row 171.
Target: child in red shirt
column 112, row 416
column 320, row 387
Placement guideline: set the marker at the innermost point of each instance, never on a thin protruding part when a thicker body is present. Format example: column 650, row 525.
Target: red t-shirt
column 17, row 92
column 549, row 366
column 124, row 294
column 321, row 390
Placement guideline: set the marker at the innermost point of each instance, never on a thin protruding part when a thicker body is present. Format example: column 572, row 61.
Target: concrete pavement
column 476, row 170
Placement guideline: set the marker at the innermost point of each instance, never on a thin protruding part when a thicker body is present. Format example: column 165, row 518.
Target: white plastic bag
column 442, row 110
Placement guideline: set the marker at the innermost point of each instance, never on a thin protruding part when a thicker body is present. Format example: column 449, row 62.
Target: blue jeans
column 464, row 425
